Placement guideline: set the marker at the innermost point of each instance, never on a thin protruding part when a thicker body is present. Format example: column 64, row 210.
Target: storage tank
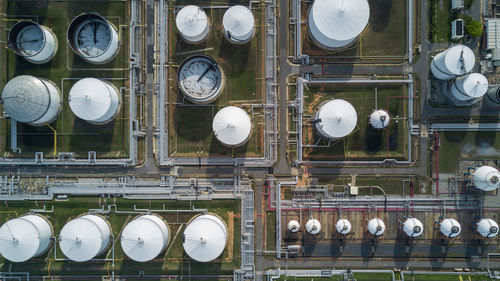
column 413, row 227
column 455, row 61
column 376, row 227
column 232, row 126
column 337, row 23
column 313, row 226
column 343, row 226
column 25, row 237
column 35, row 42
column 487, row 228
column 293, row 226
column 492, row 97
column 144, row 238
column 336, row 119
column 193, row 24
column 486, row 178
column 205, row 238
column 93, row 38
column 238, row 24
column 85, row 237
column 32, row 100
column 469, row 88
column 94, row 100
column 379, row 119
column 449, row 228
column 200, row 79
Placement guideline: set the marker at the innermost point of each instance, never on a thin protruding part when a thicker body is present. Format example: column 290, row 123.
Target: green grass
column 293, row 278
column 372, row 277
column 428, row 277
column 440, row 19
column 270, row 231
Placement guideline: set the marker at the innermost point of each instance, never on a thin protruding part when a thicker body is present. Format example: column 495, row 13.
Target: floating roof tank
column 413, row 227
column 336, row 119
column 469, row 88
column 238, row 24
column 205, row 238
column 343, row 226
column 94, row 100
column 144, row 238
column 338, row 23
column 313, row 226
column 84, row 238
column 376, row 227
column 32, row 100
column 200, row 79
column 487, row 228
column 35, row 42
column 192, row 23
column 93, row 38
column 379, row 119
column 486, row 178
column 449, row 227
column 25, row 237
column 455, row 61
column 232, row 126
column 293, row 226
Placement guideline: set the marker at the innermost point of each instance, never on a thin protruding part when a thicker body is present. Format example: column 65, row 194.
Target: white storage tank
column 379, row 119
column 232, row 126
column 376, row 227
column 486, row 178
column 293, row 226
column 336, row 119
column 93, row 38
column 200, row 79
column 205, row 238
column 193, row 24
column 35, row 42
column 85, row 237
column 455, row 61
column 338, row 23
column 144, row 238
column 31, row 100
column 413, row 227
column 487, row 228
column 313, row 226
column 94, row 100
column 25, row 237
column 343, row 226
column 238, row 24
column 469, row 88
column 450, row 227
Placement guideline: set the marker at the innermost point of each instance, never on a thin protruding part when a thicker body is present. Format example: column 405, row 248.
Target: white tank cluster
column 379, row 119
column 293, row 226
column 32, row 100
column 200, row 79
column 238, row 24
column 486, row 178
column 413, row 227
column 343, row 226
column 35, row 42
column 336, row 119
column 205, row 238
column 313, row 226
column 469, row 88
column 450, row 227
column 193, row 24
column 376, row 227
column 94, row 100
column 336, row 24
column 232, row 126
column 456, row 61
column 487, row 228
column 93, row 38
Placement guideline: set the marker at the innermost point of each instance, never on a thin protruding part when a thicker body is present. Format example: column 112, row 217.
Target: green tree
column 474, row 28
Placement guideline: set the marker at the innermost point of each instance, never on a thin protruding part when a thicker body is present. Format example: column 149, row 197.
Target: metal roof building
column 35, row 42
column 232, row 126
column 192, row 23
column 205, row 238
column 336, row 119
column 238, row 24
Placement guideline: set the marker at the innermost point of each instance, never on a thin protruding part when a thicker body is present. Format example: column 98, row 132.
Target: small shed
column 457, row 29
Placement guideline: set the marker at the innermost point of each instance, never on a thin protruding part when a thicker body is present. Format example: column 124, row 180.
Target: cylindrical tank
column 25, row 237
column 492, row 97
column 455, row 61
column 31, row 100
column 313, row 226
column 336, row 119
column 376, row 227
column 450, row 227
column 93, row 38
column 379, row 119
column 293, row 226
column 35, row 42
column 238, row 24
column 487, row 228
column 200, row 79
column 335, row 24
column 85, row 237
column 232, row 126
column 486, row 178
column 470, row 87
column 94, row 100
column 205, row 238
column 343, row 226
column 193, row 24
column 413, row 227
column 144, row 238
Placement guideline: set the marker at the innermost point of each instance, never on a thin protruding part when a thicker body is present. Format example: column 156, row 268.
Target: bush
column 474, row 28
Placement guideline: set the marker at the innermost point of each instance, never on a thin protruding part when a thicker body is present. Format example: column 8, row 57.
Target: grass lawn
column 293, row 278
column 270, row 231
column 439, row 27
column 428, row 277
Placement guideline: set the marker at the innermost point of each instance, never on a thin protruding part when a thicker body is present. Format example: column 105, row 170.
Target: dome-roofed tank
column 486, row 178
column 84, row 238
column 95, row 101
column 336, row 119
column 413, row 227
column 200, row 79
column 144, row 238
column 238, row 24
column 232, row 126
column 487, row 228
column 93, row 38
column 379, row 119
column 343, row 226
column 35, row 42
column 205, row 238
column 469, row 88
column 450, row 227
column 455, row 61
column 25, row 237
column 31, row 100
column 293, row 226
column 192, row 23
column 376, row 227
column 338, row 23
column 492, row 97
column 313, row 226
